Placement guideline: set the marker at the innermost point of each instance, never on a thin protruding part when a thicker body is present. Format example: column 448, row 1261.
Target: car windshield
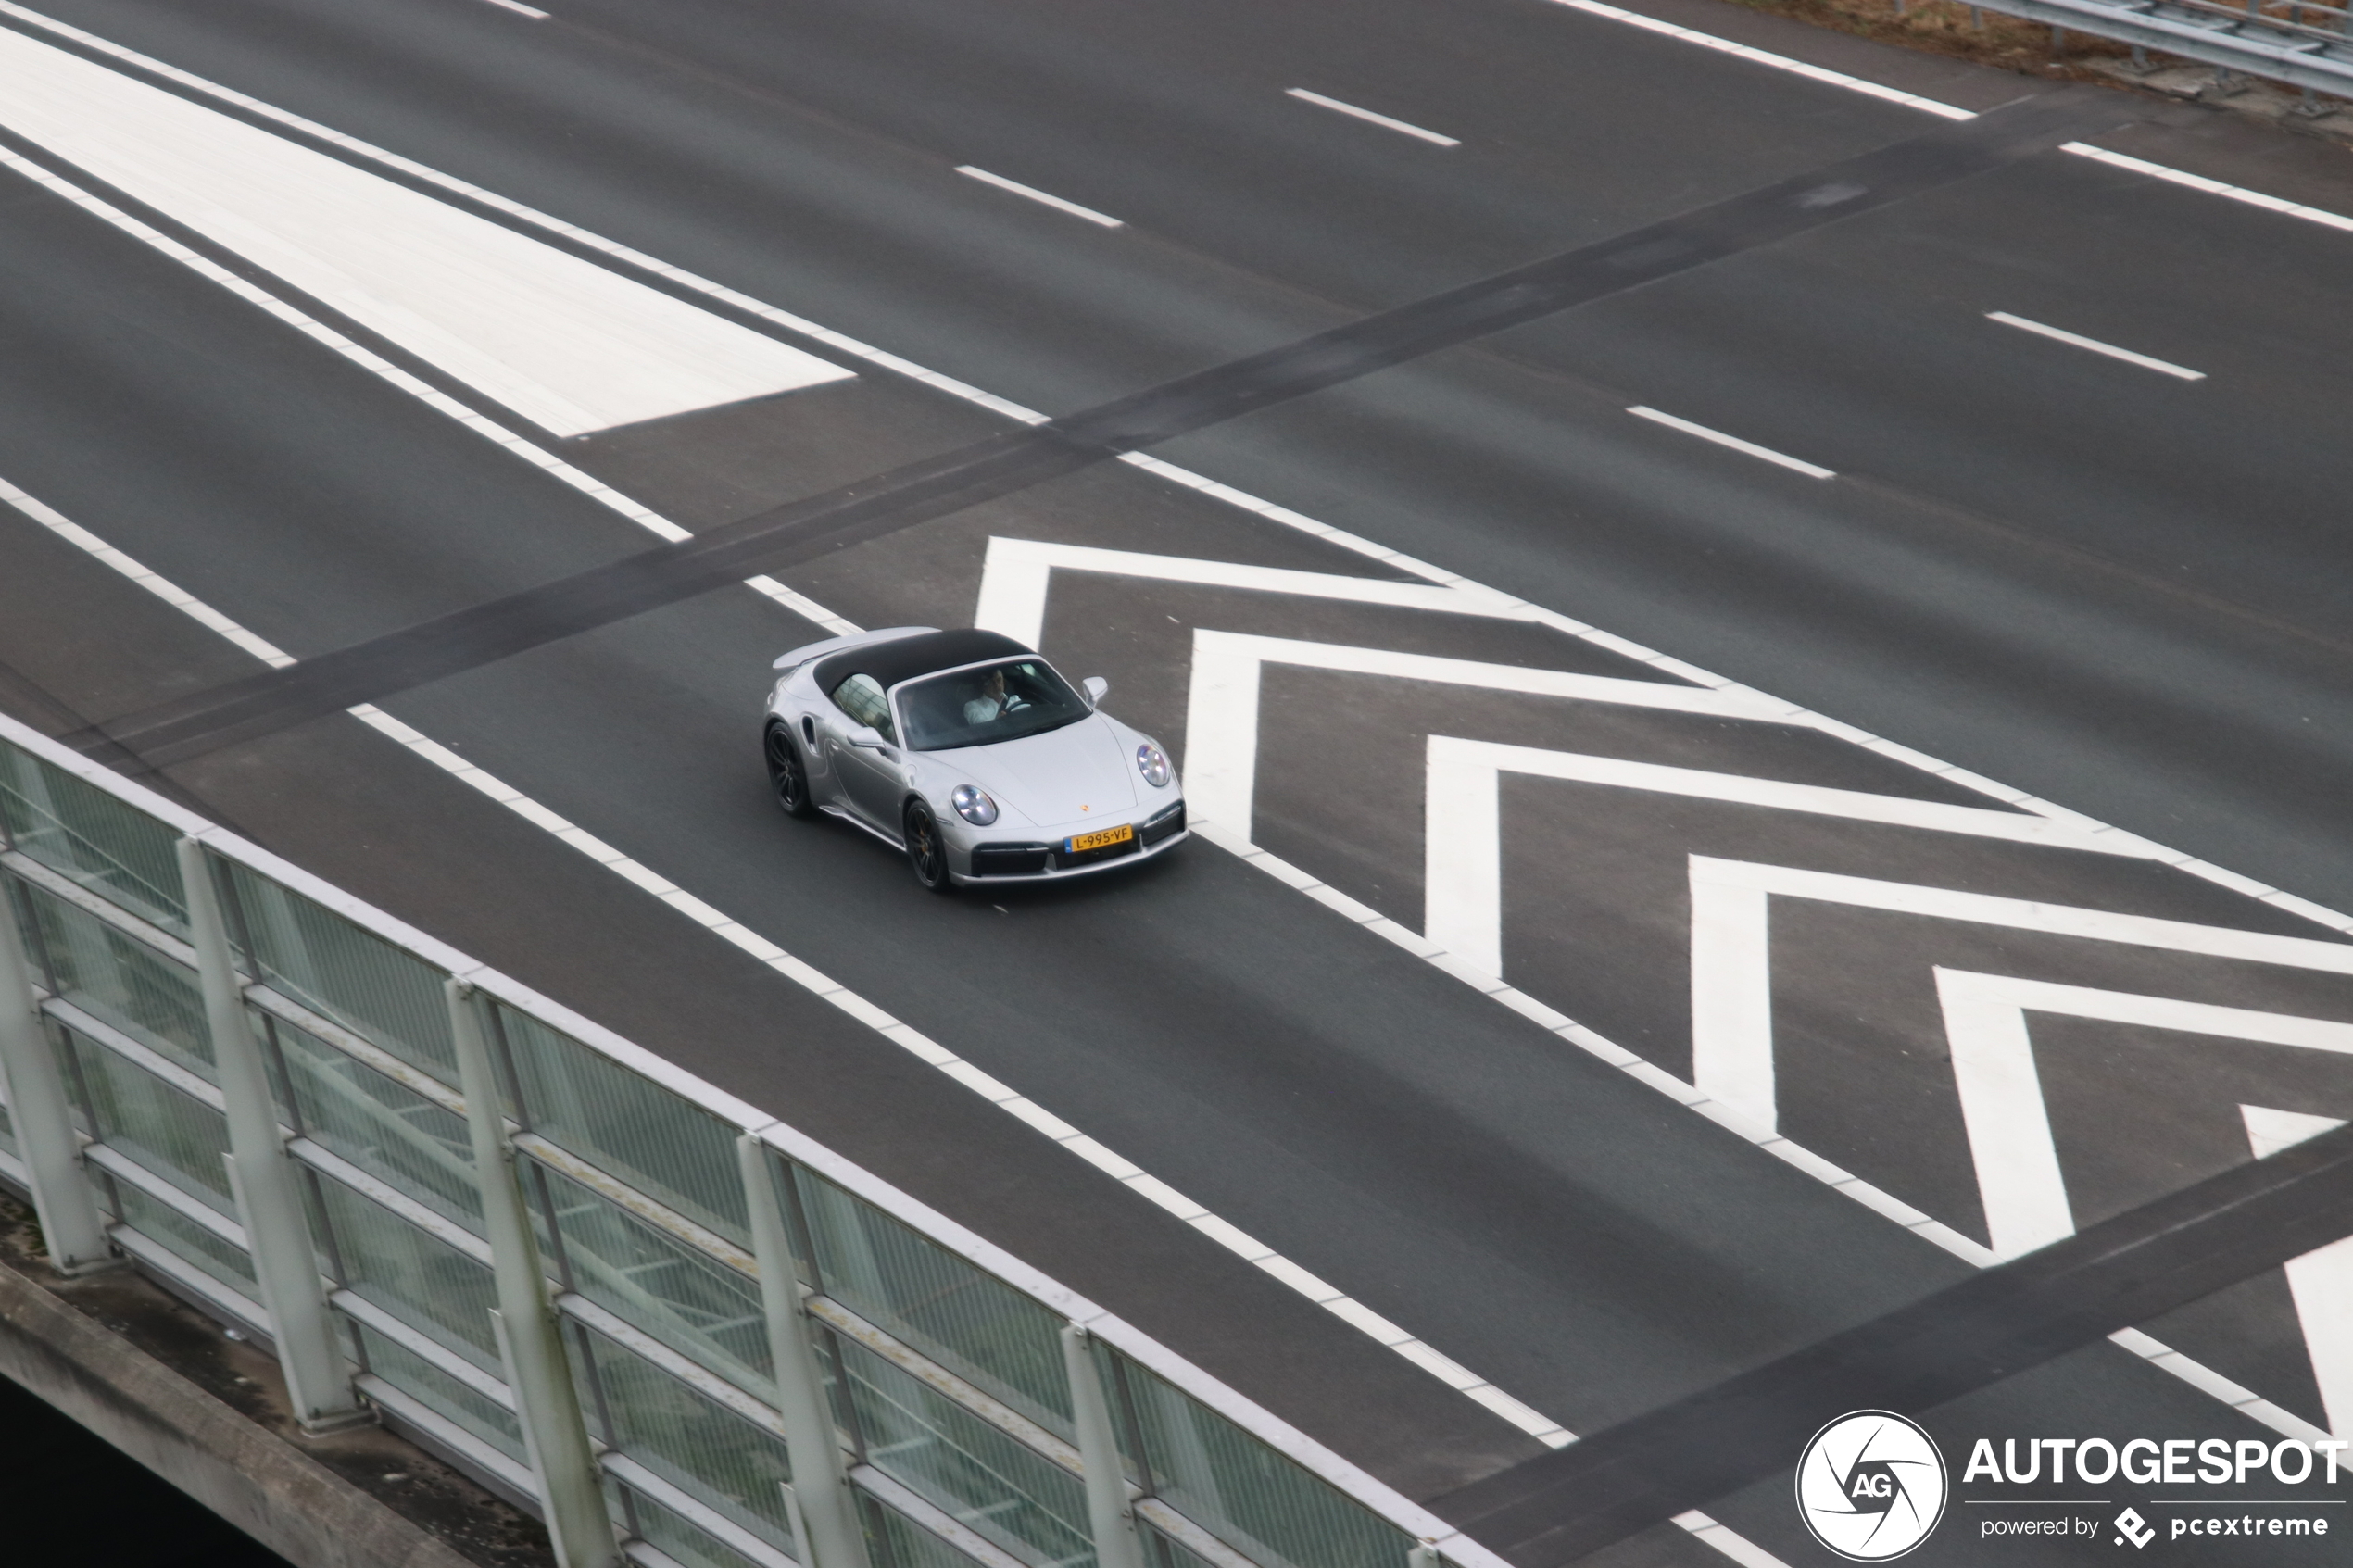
column 997, row 702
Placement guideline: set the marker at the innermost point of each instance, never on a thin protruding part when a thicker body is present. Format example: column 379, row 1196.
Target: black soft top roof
column 903, row 659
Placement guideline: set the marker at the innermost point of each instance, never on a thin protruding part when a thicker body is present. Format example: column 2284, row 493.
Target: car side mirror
column 867, row 738
column 1097, row 688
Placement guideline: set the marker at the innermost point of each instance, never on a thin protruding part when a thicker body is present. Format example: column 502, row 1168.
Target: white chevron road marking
column 1731, row 954
column 2019, row 1172
column 1731, row 984
column 1463, row 885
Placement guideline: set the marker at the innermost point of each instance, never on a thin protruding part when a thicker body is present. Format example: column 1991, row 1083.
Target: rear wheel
column 787, row 775
column 927, row 851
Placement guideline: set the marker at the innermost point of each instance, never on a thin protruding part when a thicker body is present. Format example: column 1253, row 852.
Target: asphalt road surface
column 2037, row 471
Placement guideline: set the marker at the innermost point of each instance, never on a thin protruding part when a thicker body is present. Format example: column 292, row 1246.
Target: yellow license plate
column 1119, row 835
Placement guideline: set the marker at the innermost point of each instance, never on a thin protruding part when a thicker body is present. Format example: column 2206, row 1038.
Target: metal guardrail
column 683, row 1332
column 2297, row 42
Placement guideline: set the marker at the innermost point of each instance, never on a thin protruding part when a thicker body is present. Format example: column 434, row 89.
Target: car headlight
column 1152, row 763
column 974, row 806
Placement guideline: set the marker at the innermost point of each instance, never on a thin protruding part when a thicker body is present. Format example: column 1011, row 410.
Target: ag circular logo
column 1871, row 1485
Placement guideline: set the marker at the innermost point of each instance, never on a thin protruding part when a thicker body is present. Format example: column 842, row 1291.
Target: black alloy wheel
column 927, row 851
column 787, row 775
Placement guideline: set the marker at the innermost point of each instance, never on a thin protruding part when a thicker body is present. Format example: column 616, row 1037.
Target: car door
column 873, row 781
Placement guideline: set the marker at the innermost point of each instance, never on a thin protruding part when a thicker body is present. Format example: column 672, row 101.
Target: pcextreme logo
column 1871, row 1485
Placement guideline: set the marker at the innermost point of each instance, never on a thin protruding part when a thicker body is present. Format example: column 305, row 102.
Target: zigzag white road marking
column 2017, row 1159
column 1221, row 723
column 1463, row 893
column 1731, row 960
column 2001, row 1092
column 1017, row 574
column 1221, row 712
column 2320, row 1282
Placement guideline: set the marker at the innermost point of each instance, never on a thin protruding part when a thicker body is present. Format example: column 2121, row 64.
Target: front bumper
column 1007, row 860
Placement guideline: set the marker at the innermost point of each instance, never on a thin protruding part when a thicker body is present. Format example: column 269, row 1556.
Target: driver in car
column 993, row 701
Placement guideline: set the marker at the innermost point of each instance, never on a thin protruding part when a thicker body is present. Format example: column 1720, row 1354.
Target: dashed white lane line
column 2163, row 367
column 1017, row 188
column 1811, row 470
column 533, row 12
column 1334, row 105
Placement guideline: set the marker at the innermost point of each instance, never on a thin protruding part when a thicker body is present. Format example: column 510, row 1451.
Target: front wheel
column 787, row 775
column 927, row 851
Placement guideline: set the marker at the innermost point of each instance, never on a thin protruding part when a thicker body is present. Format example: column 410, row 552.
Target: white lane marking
column 375, row 364
column 1314, row 1455
column 1462, row 879
column 1759, row 56
column 1017, row 188
column 1732, row 984
column 2319, row 1282
column 923, row 1048
column 1951, row 111
column 2000, row 1088
column 169, row 592
column 1729, row 941
column 1230, row 1236
column 1811, row 470
column 1221, row 719
column 966, row 392
column 1282, row 516
column 2075, row 340
column 1016, row 576
column 533, row 12
column 1381, row 120
column 2016, row 1155
column 1692, row 1097
column 2212, row 187
column 568, row 344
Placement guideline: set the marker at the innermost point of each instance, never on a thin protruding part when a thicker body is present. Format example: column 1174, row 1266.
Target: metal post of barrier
column 555, row 1434
column 1423, row 1556
column 1110, row 1517
column 261, row 1177
column 823, row 1513
column 71, row 1228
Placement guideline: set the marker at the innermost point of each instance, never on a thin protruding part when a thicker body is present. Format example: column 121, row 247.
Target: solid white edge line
column 1370, row 118
column 1125, row 1172
column 1811, row 470
column 586, row 484
column 2212, row 187
column 169, row 592
column 2164, row 366
column 1057, row 203
column 1951, row 111
column 1762, row 57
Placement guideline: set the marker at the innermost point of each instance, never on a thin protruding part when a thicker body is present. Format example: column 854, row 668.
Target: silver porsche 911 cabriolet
column 969, row 752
